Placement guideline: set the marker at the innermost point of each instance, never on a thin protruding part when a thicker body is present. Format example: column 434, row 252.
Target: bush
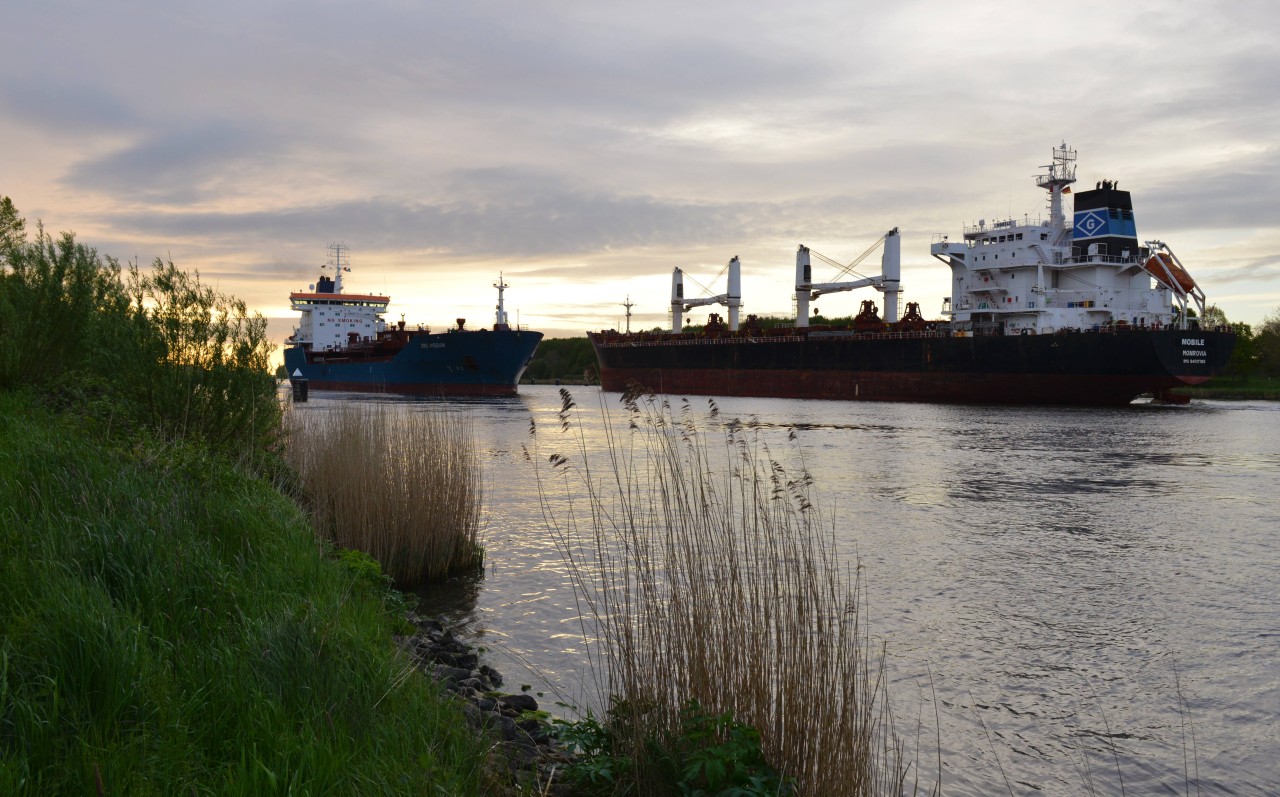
column 404, row 487
column 158, row 349
column 708, row 575
column 710, row 755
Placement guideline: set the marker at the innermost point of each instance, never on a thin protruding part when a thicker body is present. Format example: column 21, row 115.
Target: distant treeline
column 566, row 359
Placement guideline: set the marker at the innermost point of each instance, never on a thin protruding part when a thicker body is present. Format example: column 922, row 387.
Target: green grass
column 169, row 625
column 1237, row 388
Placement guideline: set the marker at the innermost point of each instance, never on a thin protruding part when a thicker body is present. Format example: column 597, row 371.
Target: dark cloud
column 512, row 214
column 68, row 109
column 174, row 167
column 1252, row 271
column 1241, row 193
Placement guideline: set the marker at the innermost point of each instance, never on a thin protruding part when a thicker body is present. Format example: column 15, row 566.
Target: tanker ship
column 342, row 342
column 1042, row 311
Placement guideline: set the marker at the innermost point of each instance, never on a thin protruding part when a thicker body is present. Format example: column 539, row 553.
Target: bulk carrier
column 1042, row 312
column 343, row 343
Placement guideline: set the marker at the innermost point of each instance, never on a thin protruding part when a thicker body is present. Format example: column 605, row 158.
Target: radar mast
column 1058, row 175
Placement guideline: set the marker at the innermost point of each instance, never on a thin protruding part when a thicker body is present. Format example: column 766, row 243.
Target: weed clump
column 708, row 577
column 404, row 487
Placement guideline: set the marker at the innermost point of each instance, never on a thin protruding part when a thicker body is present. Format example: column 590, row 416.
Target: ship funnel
column 891, row 269
column 677, row 300
column 734, row 294
column 804, row 281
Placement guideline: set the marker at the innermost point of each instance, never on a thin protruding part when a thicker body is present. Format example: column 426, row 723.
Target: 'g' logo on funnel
column 1091, row 223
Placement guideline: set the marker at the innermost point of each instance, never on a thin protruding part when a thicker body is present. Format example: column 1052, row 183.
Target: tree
column 13, row 228
column 1267, row 344
column 1214, row 317
column 1244, row 357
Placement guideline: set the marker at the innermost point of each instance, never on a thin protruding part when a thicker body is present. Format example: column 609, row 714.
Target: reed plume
column 404, row 487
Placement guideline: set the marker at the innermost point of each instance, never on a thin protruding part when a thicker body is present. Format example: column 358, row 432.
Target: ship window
column 1113, row 213
column 1019, row 236
column 1044, row 236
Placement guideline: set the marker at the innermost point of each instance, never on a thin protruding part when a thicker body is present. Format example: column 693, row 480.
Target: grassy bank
column 1257, row 388
column 168, row 625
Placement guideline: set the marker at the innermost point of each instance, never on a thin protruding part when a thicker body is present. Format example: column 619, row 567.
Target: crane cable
column 849, row 269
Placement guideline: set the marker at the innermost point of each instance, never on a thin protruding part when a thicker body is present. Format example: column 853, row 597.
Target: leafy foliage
column 1268, row 344
column 566, row 359
column 157, row 349
column 712, row 755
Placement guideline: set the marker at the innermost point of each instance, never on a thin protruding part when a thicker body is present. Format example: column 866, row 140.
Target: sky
column 585, row 149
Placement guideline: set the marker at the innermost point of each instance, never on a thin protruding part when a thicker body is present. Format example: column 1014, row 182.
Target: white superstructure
column 330, row 320
column 1025, row 276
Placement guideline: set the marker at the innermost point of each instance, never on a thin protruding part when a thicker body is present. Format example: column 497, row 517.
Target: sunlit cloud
column 590, row 149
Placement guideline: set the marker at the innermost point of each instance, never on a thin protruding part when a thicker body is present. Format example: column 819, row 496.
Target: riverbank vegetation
column 171, row 626
column 568, row 360
column 169, row 622
column 1253, row 372
column 716, row 596
column 404, row 487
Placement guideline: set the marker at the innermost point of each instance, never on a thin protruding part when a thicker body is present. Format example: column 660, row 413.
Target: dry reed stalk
column 710, row 575
column 402, row 486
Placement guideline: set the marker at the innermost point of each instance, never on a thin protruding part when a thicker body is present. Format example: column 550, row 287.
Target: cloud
column 1237, row 193
column 68, row 109
column 174, row 167
column 1253, row 271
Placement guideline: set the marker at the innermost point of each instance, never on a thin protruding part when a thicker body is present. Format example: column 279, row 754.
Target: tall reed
column 708, row 574
column 404, row 487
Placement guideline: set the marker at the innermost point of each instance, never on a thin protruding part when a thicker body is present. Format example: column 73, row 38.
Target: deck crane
column 889, row 282
column 731, row 298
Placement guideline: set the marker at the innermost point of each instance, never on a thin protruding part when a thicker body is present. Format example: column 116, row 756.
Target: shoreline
column 526, row 751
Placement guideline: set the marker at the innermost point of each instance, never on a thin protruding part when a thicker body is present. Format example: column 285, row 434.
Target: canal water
column 1073, row 600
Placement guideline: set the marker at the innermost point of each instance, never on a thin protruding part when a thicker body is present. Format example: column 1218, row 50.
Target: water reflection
column 1066, row 586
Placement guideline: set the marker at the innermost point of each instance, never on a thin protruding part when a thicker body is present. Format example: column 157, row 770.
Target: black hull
column 1076, row 368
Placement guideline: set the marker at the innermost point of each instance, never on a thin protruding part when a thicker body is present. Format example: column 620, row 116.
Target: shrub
column 403, row 487
column 708, row 575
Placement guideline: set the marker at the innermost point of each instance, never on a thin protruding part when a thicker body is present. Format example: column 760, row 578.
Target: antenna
column 340, row 259
column 500, row 319
column 628, row 304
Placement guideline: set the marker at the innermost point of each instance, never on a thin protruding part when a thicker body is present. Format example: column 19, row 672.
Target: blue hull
column 458, row 362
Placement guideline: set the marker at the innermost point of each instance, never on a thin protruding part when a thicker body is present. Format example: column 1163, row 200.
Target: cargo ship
column 1042, row 311
column 342, row 342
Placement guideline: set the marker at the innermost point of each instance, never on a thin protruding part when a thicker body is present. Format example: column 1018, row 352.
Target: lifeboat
column 1170, row 273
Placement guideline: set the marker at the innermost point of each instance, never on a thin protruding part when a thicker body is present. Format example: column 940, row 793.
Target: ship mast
column 500, row 320
column 628, row 304
column 339, row 259
column 1060, row 174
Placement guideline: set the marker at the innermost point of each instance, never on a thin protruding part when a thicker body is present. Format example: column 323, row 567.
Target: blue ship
column 343, row 343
